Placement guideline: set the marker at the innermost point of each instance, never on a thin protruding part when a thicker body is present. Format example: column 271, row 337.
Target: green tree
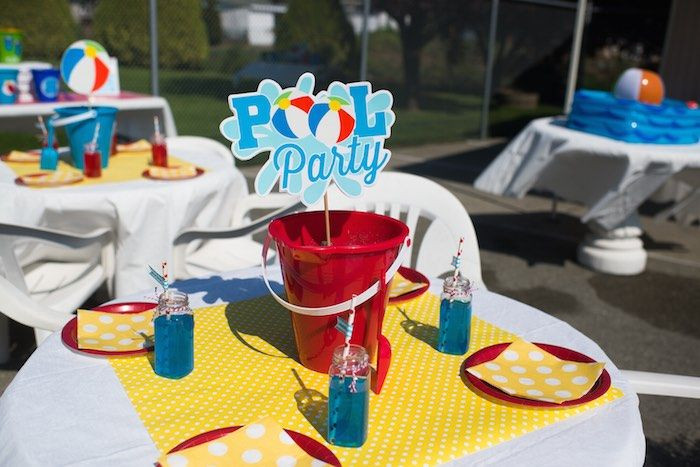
column 47, row 26
column 211, row 18
column 122, row 27
column 321, row 27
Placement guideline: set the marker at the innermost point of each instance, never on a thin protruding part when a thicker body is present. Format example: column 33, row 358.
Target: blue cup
column 47, row 84
column 8, row 86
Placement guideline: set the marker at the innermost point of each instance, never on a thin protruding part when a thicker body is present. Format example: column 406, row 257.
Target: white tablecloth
column 611, row 177
column 145, row 215
column 65, row 408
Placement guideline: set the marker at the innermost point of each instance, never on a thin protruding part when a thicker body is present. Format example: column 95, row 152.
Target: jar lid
column 457, row 287
column 355, row 361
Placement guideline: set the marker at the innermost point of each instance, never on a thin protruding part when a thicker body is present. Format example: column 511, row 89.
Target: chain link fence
column 430, row 54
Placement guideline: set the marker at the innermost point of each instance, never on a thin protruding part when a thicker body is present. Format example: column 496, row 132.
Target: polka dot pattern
column 100, row 330
column 551, row 378
column 258, row 444
column 235, row 383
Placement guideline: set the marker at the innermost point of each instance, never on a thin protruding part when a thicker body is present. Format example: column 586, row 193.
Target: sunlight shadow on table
column 313, row 405
column 216, row 288
column 266, row 319
column 421, row 331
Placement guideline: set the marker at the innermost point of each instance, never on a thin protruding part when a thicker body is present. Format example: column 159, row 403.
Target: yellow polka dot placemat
column 245, row 370
column 123, row 167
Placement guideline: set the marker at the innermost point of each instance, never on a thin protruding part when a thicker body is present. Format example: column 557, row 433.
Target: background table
column 145, row 215
column 612, row 178
column 134, row 119
column 66, row 408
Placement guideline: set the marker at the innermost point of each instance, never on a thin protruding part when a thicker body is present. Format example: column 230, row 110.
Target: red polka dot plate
column 309, row 445
column 69, row 334
column 487, row 354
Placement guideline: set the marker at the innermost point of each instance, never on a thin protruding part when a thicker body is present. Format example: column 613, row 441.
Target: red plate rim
column 199, row 170
column 413, row 276
column 308, row 444
column 491, row 352
column 19, row 181
column 69, row 333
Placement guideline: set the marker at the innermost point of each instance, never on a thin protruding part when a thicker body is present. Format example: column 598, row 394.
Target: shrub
column 321, row 27
column 47, row 25
column 122, row 26
column 211, row 18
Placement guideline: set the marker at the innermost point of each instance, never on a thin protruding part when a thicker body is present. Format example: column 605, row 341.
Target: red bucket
column 320, row 281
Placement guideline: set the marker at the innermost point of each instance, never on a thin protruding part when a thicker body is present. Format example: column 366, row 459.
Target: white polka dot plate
column 309, row 445
column 497, row 395
column 69, row 334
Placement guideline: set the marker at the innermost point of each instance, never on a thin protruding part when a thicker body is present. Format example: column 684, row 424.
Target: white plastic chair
column 420, row 202
column 44, row 293
column 203, row 252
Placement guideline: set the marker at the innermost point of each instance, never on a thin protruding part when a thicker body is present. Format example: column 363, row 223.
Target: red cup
column 92, row 161
column 159, row 152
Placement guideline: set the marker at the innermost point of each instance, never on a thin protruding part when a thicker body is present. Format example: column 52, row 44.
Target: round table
column 612, row 178
column 67, row 408
column 144, row 215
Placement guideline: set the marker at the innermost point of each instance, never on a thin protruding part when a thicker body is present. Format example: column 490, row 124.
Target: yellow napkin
column 172, row 173
column 100, row 330
column 52, row 178
column 400, row 285
column 21, row 156
column 136, row 146
column 263, row 443
column 525, row 370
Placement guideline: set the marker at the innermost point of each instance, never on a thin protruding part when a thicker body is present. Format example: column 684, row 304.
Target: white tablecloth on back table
column 145, row 215
column 64, row 408
column 611, row 177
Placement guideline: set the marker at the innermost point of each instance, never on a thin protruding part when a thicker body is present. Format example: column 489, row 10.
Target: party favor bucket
column 47, row 84
column 8, row 86
column 367, row 250
column 10, row 45
column 80, row 125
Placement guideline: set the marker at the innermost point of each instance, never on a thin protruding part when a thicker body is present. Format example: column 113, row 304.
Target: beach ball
column 329, row 122
column 85, row 66
column 640, row 85
column 290, row 114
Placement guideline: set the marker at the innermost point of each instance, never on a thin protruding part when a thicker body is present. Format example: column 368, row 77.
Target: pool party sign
column 335, row 136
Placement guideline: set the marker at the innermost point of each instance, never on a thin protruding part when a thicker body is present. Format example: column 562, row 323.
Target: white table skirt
column 145, row 215
column 611, row 177
column 64, row 408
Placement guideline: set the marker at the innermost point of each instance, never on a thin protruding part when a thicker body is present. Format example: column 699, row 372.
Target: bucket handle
column 339, row 307
column 56, row 122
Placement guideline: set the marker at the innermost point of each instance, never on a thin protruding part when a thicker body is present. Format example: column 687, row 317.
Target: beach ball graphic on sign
column 290, row 114
column 85, row 66
column 640, row 85
column 329, row 122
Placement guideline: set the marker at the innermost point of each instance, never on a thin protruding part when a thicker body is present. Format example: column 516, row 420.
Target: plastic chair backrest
column 418, row 201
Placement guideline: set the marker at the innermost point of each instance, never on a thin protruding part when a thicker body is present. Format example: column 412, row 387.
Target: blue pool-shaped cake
column 601, row 113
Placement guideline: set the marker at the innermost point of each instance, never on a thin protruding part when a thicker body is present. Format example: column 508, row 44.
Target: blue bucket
column 80, row 125
column 47, row 84
column 8, row 86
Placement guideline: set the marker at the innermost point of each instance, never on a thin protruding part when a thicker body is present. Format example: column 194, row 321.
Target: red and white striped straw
column 351, row 321
column 459, row 255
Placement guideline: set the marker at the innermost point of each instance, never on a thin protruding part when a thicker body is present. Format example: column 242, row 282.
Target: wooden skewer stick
column 328, row 219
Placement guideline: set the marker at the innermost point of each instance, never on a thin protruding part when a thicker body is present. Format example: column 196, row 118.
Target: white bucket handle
column 56, row 122
column 339, row 307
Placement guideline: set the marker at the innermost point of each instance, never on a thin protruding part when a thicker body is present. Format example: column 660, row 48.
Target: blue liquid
column 455, row 324
column 174, row 345
column 348, row 412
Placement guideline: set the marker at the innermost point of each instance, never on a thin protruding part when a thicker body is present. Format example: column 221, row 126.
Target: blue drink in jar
column 174, row 335
column 455, row 316
column 348, row 397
